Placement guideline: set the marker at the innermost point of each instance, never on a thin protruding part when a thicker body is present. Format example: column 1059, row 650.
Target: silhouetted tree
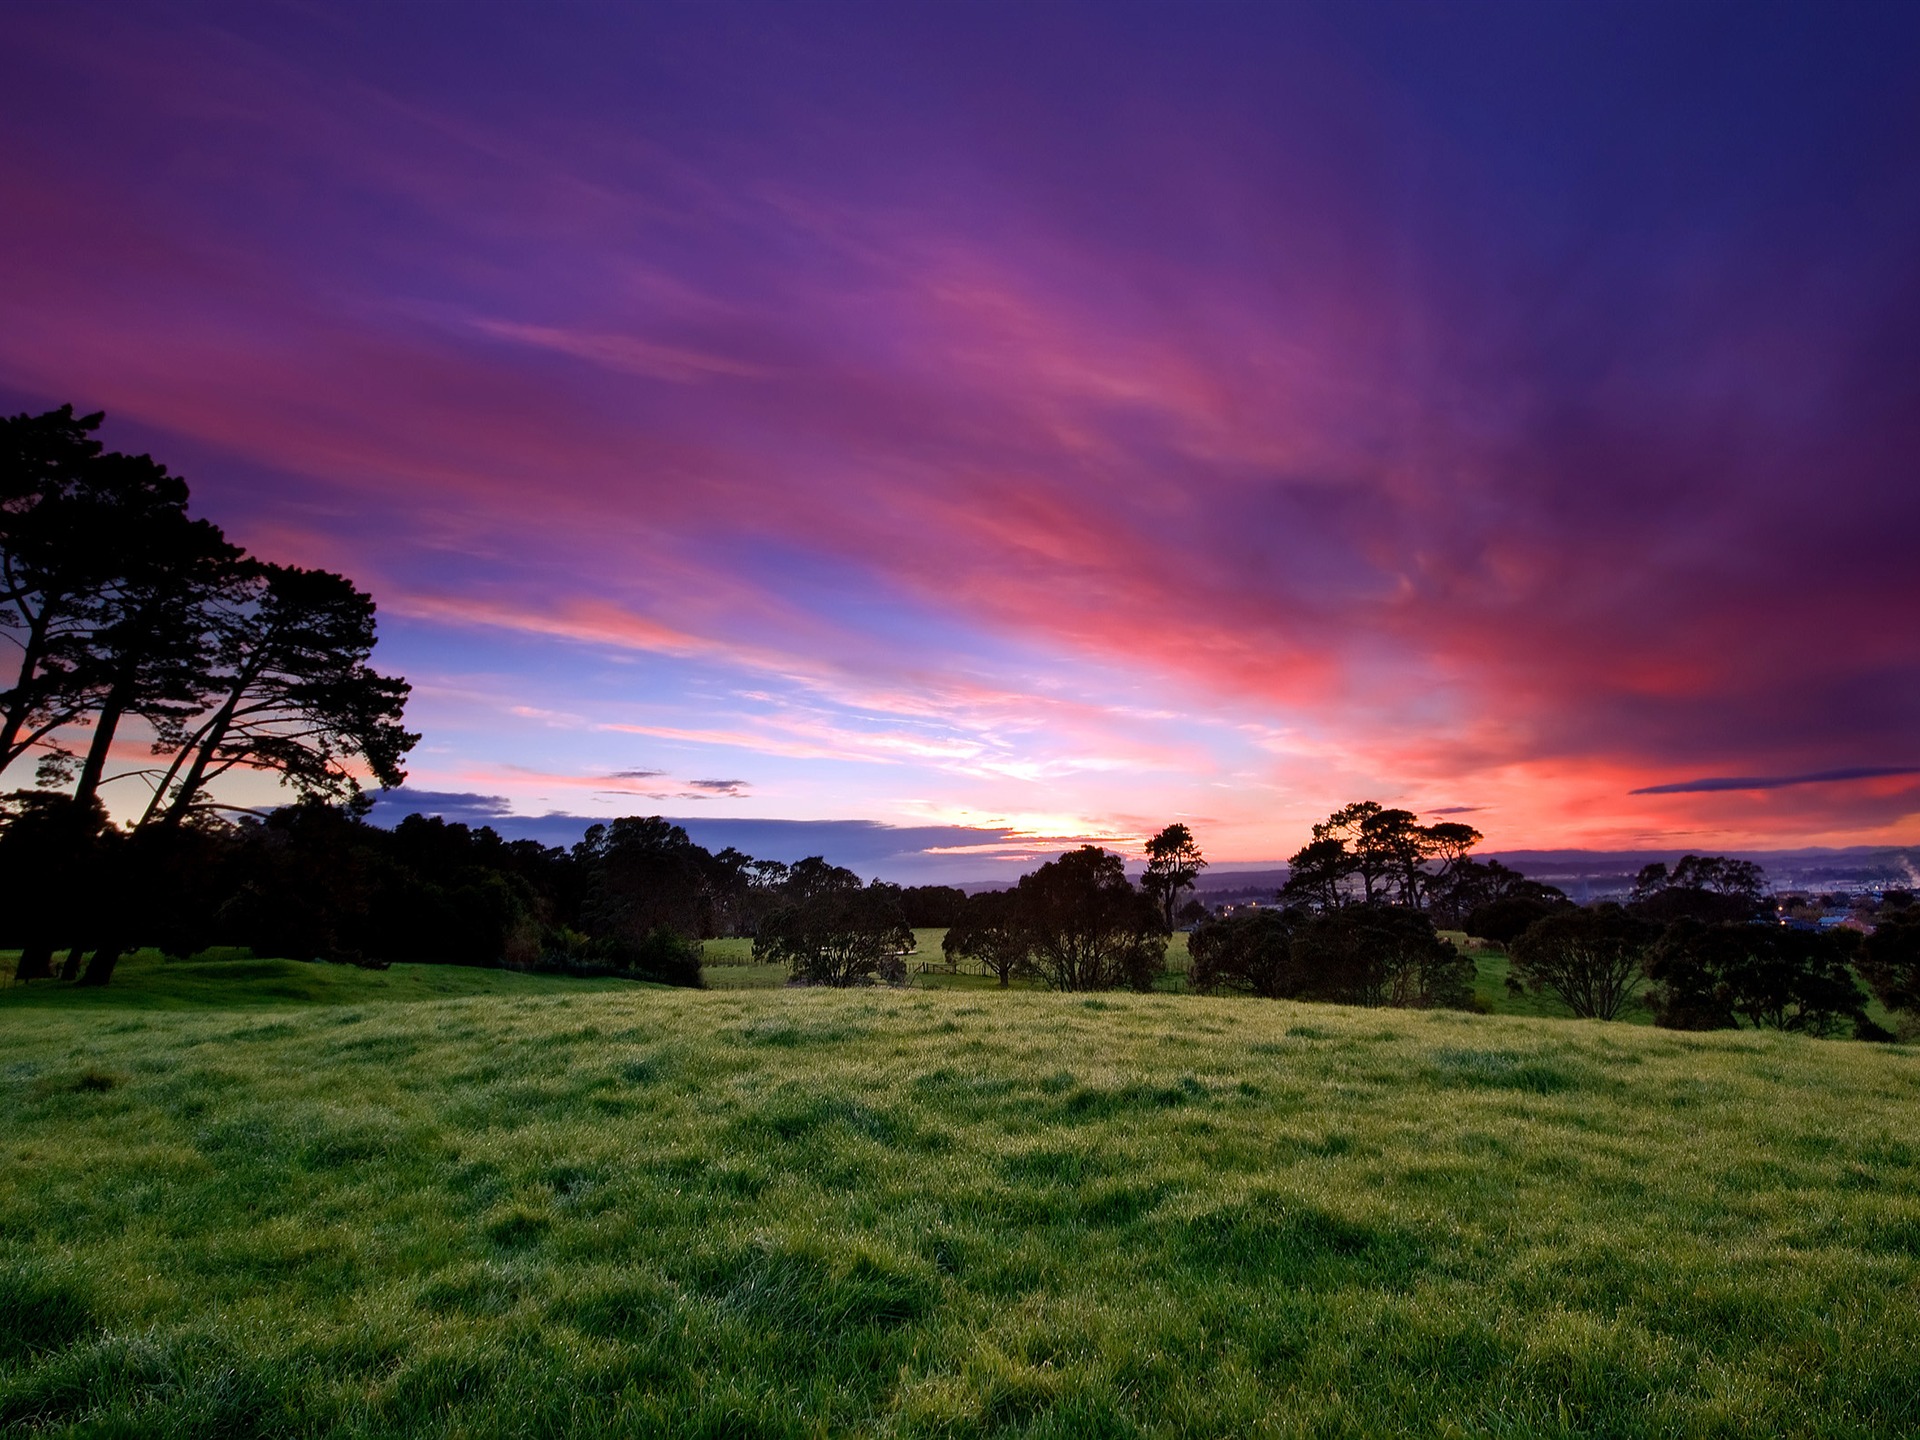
column 104, row 584
column 1174, row 862
column 1470, row 886
column 640, row 874
column 832, row 930
column 1250, row 953
column 46, row 856
column 1505, row 921
column 152, row 656
column 292, row 693
column 1713, row 977
column 1365, row 829
column 1447, row 844
column 1396, row 859
column 1317, row 874
column 63, row 531
column 988, row 930
column 816, row 876
column 1379, row 955
column 1593, row 960
column 1890, row 958
column 932, row 906
column 1711, row 889
column 1087, row 928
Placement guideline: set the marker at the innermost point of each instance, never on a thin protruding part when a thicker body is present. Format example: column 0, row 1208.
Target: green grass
column 544, row 1208
column 233, row 978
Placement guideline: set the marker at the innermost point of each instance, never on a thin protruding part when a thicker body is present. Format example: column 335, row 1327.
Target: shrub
column 665, row 955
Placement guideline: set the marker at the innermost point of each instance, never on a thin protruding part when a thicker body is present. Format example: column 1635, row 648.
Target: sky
column 942, row 433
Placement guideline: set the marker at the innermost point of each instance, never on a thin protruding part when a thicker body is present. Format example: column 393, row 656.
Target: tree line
column 1697, row 944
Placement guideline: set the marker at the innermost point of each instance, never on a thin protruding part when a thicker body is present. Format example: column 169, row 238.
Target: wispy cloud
column 627, row 353
column 1776, row 782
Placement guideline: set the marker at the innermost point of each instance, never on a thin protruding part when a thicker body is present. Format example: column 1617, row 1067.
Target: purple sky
column 1033, row 422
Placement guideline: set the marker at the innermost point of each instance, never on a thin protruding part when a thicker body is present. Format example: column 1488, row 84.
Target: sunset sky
column 1025, row 423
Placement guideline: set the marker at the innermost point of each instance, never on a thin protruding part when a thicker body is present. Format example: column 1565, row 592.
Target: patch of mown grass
column 537, row 1208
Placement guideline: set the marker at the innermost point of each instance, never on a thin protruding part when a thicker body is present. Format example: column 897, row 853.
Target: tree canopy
column 1174, row 862
column 1717, row 977
column 832, row 930
column 1593, row 960
column 117, row 607
column 1085, row 925
column 1368, row 854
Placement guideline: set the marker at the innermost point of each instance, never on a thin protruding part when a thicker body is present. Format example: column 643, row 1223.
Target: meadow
column 256, row 1197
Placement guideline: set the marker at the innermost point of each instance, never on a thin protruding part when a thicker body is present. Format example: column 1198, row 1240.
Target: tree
column 293, row 694
column 932, row 906
column 1592, row 959
column 49, row 574
column 1087, row 928
column 1505, row 921
column 1890, row 959
column 1448, row 842
column 642, row 874
column 1250, row 953
column 1388, row 851
column 1174, row 862
column 1469, row 886
column 1393, row 847
column 1317, row 874
column 1376, row 955
column 103, row 580
column 1713, row 977
column 836, row 934
column 814, row 876
column 1711, row 889
column 988, row 930
column 1368, row 854
column 151, row 655
column 46, row 852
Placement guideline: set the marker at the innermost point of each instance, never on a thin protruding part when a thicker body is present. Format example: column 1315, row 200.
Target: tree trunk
column 36, row 963
column 92, row 772
column 104, row 959
column 15, row 718
column 202, row 754
column 71, row 969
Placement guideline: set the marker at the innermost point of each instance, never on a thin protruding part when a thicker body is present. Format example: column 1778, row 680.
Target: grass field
column 292, row 1199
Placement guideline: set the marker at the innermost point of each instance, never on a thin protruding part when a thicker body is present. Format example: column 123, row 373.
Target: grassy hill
column 297, row 1199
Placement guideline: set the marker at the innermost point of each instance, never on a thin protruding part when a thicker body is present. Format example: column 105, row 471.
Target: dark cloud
column 720, row 787
column 390, row 806
column 902, row 852
column 636, row 774
column 1776, row 782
